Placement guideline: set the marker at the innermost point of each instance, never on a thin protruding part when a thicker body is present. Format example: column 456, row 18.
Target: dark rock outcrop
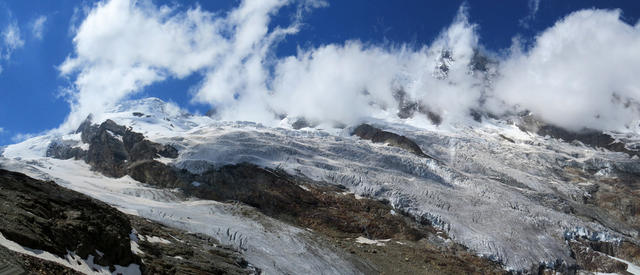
column 591, row 260
column 407, row 108
column 113, row 148
column 13, row 263
column 185, row 253
column 42, row 215
column 155, row 173
column 301, row 123
column 317, row 205
column 588, row 137
column 61, row 150
column 368, row 132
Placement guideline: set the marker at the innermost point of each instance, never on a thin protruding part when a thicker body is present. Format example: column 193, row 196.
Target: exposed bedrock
column 375, row 135
column 42, row 215
column 113, row 149
column 589, row 137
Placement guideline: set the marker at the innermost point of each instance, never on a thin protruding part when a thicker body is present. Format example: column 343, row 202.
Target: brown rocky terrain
column 368, row 132
column 44, row 216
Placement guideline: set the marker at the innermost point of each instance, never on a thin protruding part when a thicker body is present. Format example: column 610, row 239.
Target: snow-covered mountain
column 515, row 198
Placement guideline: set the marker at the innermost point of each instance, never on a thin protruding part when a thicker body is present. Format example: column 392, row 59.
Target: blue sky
column 42, row 32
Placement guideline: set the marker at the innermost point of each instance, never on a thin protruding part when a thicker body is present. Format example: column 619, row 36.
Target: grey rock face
column 407, row 108
column 154, row 173
column 61, row 150
column 180, row 252
column 113, row 148
column 591, row 260
column 45, row 216
column 12, row 263
column 368, row 132
column 588, row 137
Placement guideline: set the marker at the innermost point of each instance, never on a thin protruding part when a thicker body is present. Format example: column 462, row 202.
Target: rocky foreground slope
column 48, row 229
column 485, row 197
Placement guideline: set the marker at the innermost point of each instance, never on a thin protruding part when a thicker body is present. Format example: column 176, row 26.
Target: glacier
column 491, row 187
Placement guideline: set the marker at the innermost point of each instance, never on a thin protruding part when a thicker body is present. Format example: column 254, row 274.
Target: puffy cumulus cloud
column 37, row 26
column 582, row 72
column 345, row 83
column 122, row 46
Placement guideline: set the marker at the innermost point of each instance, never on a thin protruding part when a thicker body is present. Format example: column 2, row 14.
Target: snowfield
column 491, row 186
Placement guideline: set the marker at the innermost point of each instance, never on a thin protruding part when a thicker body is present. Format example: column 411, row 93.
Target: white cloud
column 123, row 46
column 534, row 6
column 21, row 137
column 11, row 40
column 37, row 26
column 348, row 82
column 579, row 73
column 1, row 130
column 582, row 72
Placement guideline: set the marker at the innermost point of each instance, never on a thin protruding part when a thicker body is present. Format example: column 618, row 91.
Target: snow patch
column 154, row 239
column 364, row 240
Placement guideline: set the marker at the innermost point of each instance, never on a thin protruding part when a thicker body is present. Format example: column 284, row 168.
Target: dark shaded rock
column 476, row 115
column 506, row 138
column 138, row 114
column 442, row 67
column 435, row 118
column 301, row 123
column 591, row 260
column 12, row 263
column 107, row 153
column 267, row 190
column 588, row 137
column 42, row 215
column 155, row 173
column 186, row 253
column 61, row 150
column 407, row 108
column 480, row 62
column 212, row 112
column 318, row 205
column 624, row 250
column 368, row 132
column 114, row 147
column 86, row 127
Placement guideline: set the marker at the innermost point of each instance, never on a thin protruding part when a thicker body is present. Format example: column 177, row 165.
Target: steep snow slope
column 492, row 187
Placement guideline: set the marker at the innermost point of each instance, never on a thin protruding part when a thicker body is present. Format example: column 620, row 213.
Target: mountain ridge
column 531, row 180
